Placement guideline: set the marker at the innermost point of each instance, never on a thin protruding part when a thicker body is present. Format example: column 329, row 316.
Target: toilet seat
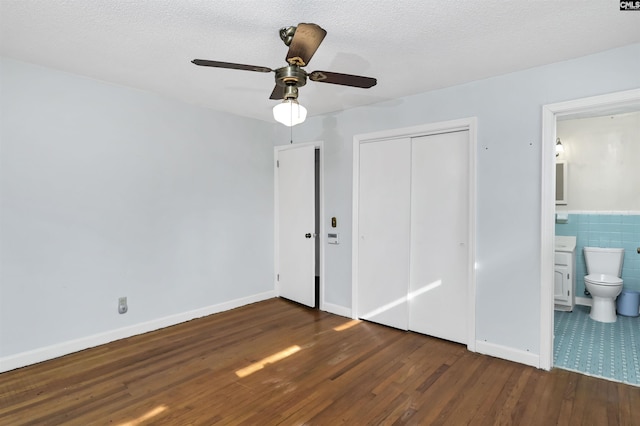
column 603, row 280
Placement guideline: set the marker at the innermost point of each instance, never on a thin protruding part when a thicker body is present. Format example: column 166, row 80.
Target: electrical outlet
column 122, row 305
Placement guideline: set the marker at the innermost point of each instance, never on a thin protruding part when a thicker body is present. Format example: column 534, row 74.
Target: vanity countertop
column 567, row 244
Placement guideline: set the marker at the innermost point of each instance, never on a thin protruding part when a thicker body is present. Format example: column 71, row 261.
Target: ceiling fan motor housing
column 291, row 77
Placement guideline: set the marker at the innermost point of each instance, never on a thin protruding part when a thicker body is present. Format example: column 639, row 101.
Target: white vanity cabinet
column 564, row 277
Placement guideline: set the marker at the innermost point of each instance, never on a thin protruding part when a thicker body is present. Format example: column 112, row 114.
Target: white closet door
column 384, row 221
column 439, row 272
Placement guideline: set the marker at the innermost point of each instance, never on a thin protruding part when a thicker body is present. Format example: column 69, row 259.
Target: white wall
column 108, row 192
column 603, row 159
column 509, row 157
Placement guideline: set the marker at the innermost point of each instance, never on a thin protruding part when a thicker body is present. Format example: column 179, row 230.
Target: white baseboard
column 337, row 309
column 510, row 354
column 54, row 351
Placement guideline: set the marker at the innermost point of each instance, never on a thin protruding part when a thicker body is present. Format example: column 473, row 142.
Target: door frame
column 319, row 145
column 465, row 124
column 611, row 103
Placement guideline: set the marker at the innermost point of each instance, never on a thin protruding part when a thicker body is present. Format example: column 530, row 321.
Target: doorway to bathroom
column 575, row 331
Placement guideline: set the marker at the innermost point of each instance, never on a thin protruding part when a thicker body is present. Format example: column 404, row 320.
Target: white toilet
column 604, row 268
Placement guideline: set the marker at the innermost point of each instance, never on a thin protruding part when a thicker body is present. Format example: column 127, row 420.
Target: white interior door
column 296, row 224
column 383, row 231
column 440, row 270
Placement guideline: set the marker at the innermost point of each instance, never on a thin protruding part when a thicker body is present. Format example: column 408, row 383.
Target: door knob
column 307, row 235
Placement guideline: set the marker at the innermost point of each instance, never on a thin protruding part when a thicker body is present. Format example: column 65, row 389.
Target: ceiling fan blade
column 218, row 64
column 343, row 79
column 306, row 41
column 278, row 93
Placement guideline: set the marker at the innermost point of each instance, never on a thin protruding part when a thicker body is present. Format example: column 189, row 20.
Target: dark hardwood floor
column 275, row 362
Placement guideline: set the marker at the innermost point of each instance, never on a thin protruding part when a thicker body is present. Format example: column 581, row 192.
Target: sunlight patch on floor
column 143, row 418
column 347, row 325
column 259, row 365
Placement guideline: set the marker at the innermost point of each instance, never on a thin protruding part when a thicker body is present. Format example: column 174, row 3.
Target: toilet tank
column 606, row 261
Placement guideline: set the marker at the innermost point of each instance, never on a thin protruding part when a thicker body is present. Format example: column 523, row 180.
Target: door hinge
column 567, row 276
column 567, row 292
column 278, row 163
column 278, row 277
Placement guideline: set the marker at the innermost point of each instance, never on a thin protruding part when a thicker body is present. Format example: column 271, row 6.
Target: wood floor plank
column 276, row 362
column 480, row 395
column 508, row 407
column 622, row 403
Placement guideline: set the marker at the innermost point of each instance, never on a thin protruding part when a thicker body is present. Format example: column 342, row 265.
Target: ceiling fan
column 303, row 41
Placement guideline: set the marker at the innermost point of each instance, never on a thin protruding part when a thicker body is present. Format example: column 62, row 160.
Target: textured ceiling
column 410, row 46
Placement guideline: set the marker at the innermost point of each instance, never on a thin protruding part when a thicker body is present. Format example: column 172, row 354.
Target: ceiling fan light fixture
column 289, row 112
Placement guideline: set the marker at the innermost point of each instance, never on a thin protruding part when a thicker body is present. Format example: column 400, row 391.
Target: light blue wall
column 605, row 230
column 508, row 109
column 108, row 192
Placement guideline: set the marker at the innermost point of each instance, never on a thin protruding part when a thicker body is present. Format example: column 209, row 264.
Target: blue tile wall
column 605, row 230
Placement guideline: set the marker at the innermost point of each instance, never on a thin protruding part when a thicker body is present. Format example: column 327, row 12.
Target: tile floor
column 611, row 351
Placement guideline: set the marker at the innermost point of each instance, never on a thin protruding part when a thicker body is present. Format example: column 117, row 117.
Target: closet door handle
column 307, row 235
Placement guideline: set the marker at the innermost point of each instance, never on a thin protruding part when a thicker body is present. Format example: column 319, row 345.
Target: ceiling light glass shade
column 289, row 112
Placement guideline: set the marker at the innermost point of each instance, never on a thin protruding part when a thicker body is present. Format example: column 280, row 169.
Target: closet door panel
column 383, row 231
column 439, row 271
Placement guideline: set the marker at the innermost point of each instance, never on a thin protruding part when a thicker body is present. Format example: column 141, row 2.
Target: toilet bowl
column 604, row 289
column 604, row 268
